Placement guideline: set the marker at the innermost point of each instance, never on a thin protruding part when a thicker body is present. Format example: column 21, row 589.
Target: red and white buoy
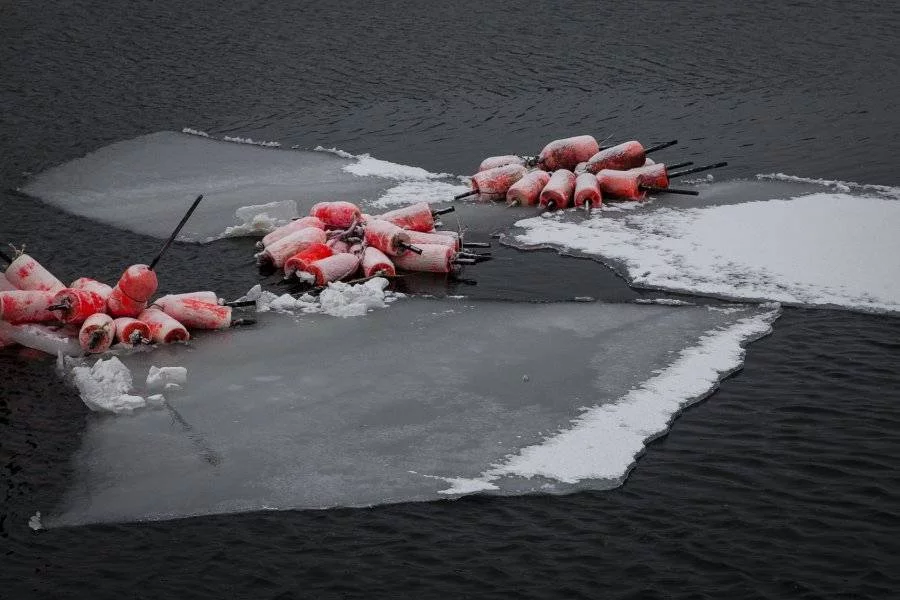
column 333, row 268
column 624, row 156
column 25, row 273
column 302, row 259
column 494, row 183
column 417, row 217
column 435, row 258
column 5, row 285
column 118, row 304
column 625, row 185
column 587, row 191
column 26, row 306
column 418, row 238
column 163, row 328
column 285, row 230
column 131, row 331
column 203, row 296
column 558, row 192
column 338, row 246
column 567, row 152
column 492, row 162
column 198, row 314
column 527, row 191
column 138, row 282
column 375, row 262
column 387, row 237
column 278, row 252
column 97, row 333
column 336, row 215
column 74, row 306
column 92, row 285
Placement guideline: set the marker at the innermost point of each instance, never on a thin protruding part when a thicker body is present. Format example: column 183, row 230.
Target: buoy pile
column 578, row 172
column 338, row 242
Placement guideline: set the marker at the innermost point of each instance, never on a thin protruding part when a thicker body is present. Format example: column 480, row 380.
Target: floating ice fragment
column 163, row 377
column 106, row 386
column 35, row 521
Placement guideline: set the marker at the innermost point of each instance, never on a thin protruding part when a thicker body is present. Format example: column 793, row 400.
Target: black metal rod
column 171, row 239
column 660, row 146
column 59, row 307
column 242, row 322
column 410, row 247
column 476, row 245
column 443, row 211
column 698, row 169
column 240, row 303
column 680, row 165
column 464, row 261
column 6, row 257
column 465, row 195
column 659, row 190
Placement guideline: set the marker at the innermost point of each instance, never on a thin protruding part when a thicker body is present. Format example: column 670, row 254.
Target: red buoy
column 302, row 259
column 435, row 258
column 587, row 191
column 131, row 331
column 376, row 262
column 624, row 156
column 333, row 268
column 119, row 304
column 163, row 328
column 557, row 194
column 25, row 273
column 97, row 333
column 336, row 215
column 75, row 306
column 138, row 282
column 26, row 306
column 92, row 285
column 527, row 191
column 208, row 297
column 417, row 238
column 417, row 217
column 198, row 314
column 497, row 181
column 278, row 252
column 625, row 185
column 290, row 228
column 492, row 162
column 567, row 152
column 387, row 237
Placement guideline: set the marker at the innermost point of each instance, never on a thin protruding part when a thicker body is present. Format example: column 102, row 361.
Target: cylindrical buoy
column 97, row 333
column 492, row 162
column 163, row 328
column 278, row 252
column 119, row 304
column 557, row 194
column 74, row 306
column 376, row 262
column 387, row 237
column 417, row 217
column 418, row 238
column 434, row 259
column 138, row 282
column 567, row 152
column 204, row 296
column 338, row 246
column 92, row 285
column 333, row 268
column 25, row 273
column 131, row 331
column 497, row 181
column 587, row 191
column 625, row 185
column 336, row 215
column 285, row 230
column 624, row 156
column 302, row 259
column 527, row 191
column 26, row 306
column 5, row 285
column 655, row 175
column 198, row 314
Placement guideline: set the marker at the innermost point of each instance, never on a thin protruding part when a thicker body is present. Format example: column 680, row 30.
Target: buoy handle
column 465, row 195
column 410, row 247
column 443, row 211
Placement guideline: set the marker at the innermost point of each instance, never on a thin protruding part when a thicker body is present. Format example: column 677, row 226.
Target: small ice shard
column 106, row 386
column 163, row 377
column 35, row 521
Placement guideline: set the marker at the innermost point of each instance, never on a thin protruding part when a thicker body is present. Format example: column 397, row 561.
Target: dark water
column 782, row 484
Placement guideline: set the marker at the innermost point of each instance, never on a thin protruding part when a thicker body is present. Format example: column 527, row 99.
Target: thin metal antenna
column 171, row 239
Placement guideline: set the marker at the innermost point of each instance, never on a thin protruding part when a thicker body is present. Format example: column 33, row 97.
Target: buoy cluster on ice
column 577, row 171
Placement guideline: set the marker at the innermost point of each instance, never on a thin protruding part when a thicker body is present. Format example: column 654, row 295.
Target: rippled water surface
column 783, row 484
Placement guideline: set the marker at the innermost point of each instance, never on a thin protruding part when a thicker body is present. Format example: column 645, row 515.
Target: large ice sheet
column 831, row 248
column 145, row 184
column 313, row 411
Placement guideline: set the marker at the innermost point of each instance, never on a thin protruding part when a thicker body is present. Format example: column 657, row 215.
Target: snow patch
column 367, row 166
column 197, row 132
column 410, row 192
column 260, row 219
column 338, row 299
column 252, row 142
column 840, row 186
column 106, row 386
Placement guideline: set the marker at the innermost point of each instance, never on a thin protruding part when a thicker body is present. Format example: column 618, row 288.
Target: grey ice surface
column 313, row 411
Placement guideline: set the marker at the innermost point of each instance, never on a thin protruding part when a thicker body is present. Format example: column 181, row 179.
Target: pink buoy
column 74, row 306
column 97, row 333
column 285, row 230
column 497, row 181
column 654, row 175
column 417, row 217
column 119, row 304
column 387, row 237
column 376, row 262
column 26, row 306
column 567, row 152
column 208, row 297
column 5, row 285
column 625, row 185
column 92, row 285
column 336, row 215
column 333, row 268
column 301, row 260
column 25, row 273
column 527, row 191
column 620, row 157
column 587, row 191
column 435, row 258
column 131, row 331
column 557, row 194
column 198, row 314
column 338, row 246
column 417, row 238
column 163, row 328
column 278, row 252
column 492, row 162
column 138, row 282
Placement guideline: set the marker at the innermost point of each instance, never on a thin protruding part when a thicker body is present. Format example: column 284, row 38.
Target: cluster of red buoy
column 577, row 171
column 337, row 241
